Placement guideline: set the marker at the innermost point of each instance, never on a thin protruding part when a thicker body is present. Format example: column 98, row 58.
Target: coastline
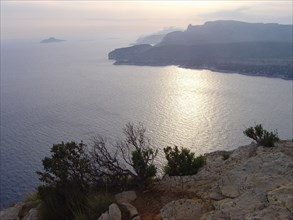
column 213, row 69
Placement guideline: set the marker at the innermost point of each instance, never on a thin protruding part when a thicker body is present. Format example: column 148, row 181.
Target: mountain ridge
column 267, row 51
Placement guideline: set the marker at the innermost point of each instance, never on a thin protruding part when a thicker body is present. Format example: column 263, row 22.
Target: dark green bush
column 145, row 171
column 71, row 173
column 60, row 203
column 66, row 179
column 69, row 204
column 97, row 204
column 68, row 165
column 182, row 162
column 262, row 136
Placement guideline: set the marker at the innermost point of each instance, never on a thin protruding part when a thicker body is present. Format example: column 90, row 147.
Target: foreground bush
column 72, row 177
column 67, row 204
column 261, row 136
column 182, row 162
column 66, row 178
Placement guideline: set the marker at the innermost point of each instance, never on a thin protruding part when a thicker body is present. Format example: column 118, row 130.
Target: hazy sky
column 88, row 19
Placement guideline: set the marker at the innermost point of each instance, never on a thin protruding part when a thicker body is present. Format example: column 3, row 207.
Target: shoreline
column 119, row 63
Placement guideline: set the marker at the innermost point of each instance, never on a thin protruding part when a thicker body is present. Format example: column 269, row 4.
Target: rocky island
column 225, row 46
column 250, row 182
column 51, row 40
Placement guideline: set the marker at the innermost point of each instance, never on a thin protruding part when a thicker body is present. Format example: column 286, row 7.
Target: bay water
column 70, row 91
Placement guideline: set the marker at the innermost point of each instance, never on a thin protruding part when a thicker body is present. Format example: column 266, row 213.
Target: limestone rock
column 230, row 190
column 27, row 207
column 114, row 212
column 130, row 209
column 32, row 215
column 104, row 216
column 282, row 196
column 126, row 196
column 258, row 188
column 186, row 209
column 11, row 213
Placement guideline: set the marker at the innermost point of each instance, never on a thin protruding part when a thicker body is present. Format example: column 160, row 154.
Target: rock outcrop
column 253, row 183
column 11, row 213
column 113, row 213
column 124, row 207
column 187, row 209
column 125, row 196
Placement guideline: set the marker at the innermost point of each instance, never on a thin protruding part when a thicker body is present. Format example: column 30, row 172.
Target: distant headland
column 51, row 40
column 226, row 46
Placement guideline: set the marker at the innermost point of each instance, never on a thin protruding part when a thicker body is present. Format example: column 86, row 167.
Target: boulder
column 131, row 211
column 114, row 212
column 11, row 213
column 24, row 211
column 104, row 216
column 186, row 209
column 126, row 196
column 32, row 215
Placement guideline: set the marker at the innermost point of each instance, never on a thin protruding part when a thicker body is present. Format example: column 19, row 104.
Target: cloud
column 117, row 19
column 228, row 14
column 249, row 14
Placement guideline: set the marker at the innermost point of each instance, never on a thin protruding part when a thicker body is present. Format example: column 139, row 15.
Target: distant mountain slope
column 156, row 37
column 229, row 32
column 254, row 49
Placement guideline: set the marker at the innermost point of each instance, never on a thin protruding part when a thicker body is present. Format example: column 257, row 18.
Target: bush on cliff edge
column 262, row 136
column 182, row 162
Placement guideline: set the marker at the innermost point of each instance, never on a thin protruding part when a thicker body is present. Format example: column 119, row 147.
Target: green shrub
column 68, row 164
column 261, row 136
column 32, row 197
column 71, row 172
column 182, row 162
column 72, row 205
column 145, row 171
column 80, row 215
column 61, row 203
column 66, row 179
column 97, row 204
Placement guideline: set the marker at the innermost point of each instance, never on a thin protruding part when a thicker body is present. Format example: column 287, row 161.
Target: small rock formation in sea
column 51, row 40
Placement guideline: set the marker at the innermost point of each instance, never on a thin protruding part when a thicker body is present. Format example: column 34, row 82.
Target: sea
column 70, row 91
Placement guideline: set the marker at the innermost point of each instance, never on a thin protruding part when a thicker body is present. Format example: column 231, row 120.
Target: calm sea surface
column 70, row 91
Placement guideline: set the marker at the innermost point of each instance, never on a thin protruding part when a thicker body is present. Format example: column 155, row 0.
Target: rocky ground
column 250, row 182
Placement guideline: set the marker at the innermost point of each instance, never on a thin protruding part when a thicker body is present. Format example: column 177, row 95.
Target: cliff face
column 229, row 32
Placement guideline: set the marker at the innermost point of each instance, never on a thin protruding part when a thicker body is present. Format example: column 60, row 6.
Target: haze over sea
column 70, row 91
